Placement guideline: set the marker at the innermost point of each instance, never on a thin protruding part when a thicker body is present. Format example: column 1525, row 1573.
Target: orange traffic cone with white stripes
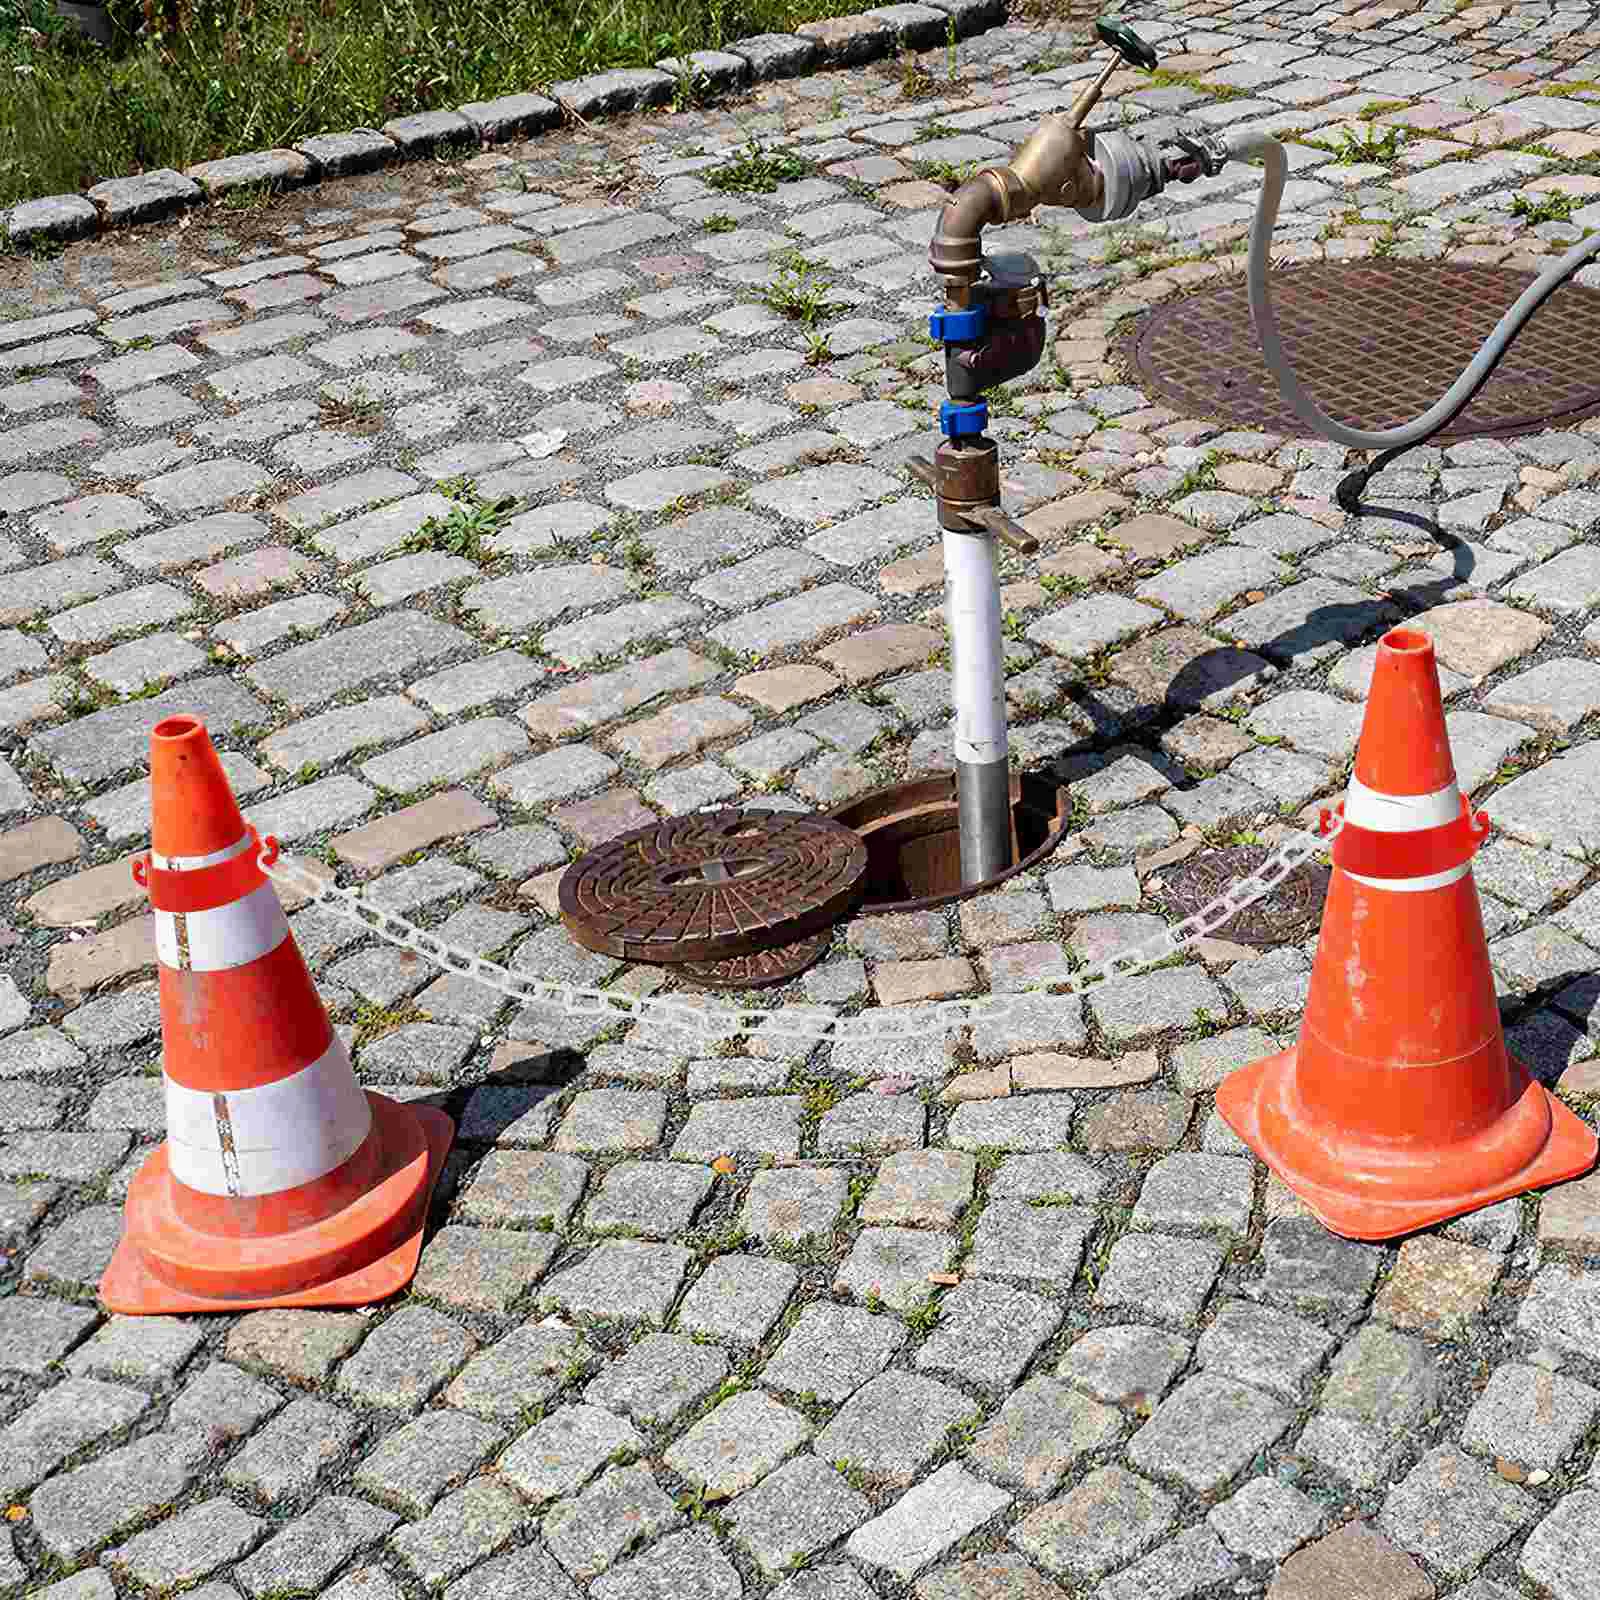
column 281, row 1183
column 1400, row 1106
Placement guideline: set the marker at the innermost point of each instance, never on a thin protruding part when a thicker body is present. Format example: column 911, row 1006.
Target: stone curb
column 839, row 42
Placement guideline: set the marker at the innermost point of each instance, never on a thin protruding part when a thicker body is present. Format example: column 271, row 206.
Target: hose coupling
column 1201, row 153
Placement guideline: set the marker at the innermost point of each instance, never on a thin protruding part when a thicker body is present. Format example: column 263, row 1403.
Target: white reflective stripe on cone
column 1434, row 880
column 233, row 935
column 262, row 1141
column 194, row 863
column 1400, row 813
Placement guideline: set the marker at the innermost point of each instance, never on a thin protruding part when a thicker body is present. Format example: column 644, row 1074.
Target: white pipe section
column 977, row 649
column 1245, row 144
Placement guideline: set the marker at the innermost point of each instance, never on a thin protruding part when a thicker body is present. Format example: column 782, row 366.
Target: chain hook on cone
column 1400, row 1106
column 281, row 1182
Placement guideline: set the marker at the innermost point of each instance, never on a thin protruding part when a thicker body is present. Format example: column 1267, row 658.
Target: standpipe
column 992, row 328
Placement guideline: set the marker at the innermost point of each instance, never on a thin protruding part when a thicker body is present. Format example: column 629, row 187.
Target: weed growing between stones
column 800, row 291
column 757, row 171
column 1553, row 207
column 470, row 520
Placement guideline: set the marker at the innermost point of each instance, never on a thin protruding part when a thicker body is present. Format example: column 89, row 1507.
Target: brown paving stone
column 544, row 891
column 1571, row 144
column 783, row 688
column 605, row 816
column 913, row 574
column 988, row 1577
column 84, row 964
column 40, row 843
column 1184, row 665
column 991, row 1083
column 915, row 196
column 605, row 697
column 1153, row 1120
column 1353, row 1564
column 875, row 651
column 1050, row 521
column 1569, row 1215
column 1475, row 637
column 380, row 844
column 1049, row 1070
column 822, row 392
column 256, row 573
column 681, row 730
column 87, row 896
column 1082, row 562
column 1582, row 1077
column 1249, row 477
column 1205, row 741
column 1152, row 535
column 896, row 982
column 1436, row 1285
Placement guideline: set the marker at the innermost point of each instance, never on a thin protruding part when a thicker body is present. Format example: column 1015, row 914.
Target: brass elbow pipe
column 1053, row 167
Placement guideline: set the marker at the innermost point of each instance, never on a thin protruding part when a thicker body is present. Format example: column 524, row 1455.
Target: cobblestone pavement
column 237, row 451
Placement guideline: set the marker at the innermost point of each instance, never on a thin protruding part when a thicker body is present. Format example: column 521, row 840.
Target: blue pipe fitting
column 959, row 419
column 957, row 327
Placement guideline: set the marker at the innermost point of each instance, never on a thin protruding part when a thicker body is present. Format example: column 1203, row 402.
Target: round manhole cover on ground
column 1286, row 916
column 761, row 969
column 713, row 885
column 1375, row 343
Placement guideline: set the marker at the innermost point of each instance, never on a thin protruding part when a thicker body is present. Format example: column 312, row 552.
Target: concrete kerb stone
column 150, row 196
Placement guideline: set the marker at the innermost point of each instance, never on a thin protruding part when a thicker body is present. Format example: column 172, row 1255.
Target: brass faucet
column 1052, row 168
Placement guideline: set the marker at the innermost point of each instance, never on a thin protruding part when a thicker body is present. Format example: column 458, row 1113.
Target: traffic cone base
column 1381, row 1190
column 358, row 1256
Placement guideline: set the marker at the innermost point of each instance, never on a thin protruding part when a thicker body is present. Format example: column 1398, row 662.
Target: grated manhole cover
column 1375, row 343
column 1286, row 916
column 713, row 885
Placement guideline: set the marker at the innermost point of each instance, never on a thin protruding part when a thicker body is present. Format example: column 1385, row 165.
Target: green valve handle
column 1126, row 43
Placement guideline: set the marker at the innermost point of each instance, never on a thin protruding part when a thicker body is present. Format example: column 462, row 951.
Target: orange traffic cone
column 281, row 1182
column 1400, row 1106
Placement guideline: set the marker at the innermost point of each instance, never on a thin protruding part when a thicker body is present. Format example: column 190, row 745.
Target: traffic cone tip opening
column 1407, row 641
column 174, row 728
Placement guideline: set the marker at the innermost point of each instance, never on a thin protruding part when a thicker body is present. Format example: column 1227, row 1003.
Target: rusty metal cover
column 761, row 969
column 713, row 885
column 1375, row 343
column 1286, row 916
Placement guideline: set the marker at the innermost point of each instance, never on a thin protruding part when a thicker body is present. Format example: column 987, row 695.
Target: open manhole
column 1288, row 915
column 1375, row 343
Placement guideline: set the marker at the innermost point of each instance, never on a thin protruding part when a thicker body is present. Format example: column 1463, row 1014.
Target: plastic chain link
column 882, row 1024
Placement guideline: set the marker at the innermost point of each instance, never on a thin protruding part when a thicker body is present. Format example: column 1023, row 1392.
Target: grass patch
column 242, row 75
column 1368, row 146
column 757, row 171
column 948, row 175
column 463, row 529
column 800, row 292
column 1549, row 206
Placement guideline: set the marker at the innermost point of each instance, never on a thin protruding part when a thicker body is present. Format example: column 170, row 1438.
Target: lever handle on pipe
column 987, row 519
column 1006, row 529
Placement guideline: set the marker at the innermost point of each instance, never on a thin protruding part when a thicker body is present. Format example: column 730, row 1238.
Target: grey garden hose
column 1244, row 145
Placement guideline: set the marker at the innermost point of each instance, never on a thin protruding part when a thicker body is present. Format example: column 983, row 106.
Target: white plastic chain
column 883, row 1024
